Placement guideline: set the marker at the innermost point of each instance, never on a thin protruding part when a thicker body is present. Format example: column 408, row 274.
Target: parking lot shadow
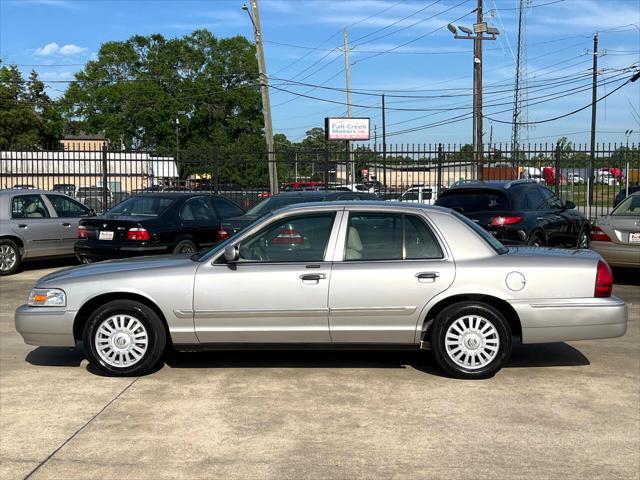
column 546, row 355
column 55, row 357
column 49, row 263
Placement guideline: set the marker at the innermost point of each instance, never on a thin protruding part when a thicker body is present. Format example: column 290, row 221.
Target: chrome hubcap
column 121, row 340
column 8, row 258
column 472, row 342
column 584, row 240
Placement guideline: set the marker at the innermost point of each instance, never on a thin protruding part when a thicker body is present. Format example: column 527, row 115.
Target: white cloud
column 54, row 49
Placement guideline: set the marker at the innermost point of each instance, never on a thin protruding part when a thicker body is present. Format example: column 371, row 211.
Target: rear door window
column 28, row 206
column 198, row 210
column 534, row 199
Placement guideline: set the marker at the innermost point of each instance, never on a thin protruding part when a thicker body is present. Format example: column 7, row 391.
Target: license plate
column 634, row 237
column 105, row 235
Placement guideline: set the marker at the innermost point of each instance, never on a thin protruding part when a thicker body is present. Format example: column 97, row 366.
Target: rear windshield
column 274, row 203
column 466, row 201
column 90, row 190
column 146, row 205
column 630, row 207
column 495, row 244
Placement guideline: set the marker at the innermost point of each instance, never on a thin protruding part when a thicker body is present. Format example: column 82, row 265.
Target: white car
column 605, row 177
column 575, row 178
column 426, row 195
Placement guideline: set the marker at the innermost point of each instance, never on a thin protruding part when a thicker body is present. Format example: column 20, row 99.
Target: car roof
column 24, row 191
column 490, row 184
column 378, row 204
column 313, row 193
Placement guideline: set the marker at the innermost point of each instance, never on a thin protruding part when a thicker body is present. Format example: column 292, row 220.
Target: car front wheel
column 124, row 338
column 471, row 340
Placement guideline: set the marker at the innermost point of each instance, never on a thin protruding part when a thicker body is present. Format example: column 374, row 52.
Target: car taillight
column 501, row 221
column 597, row 235
column 288, row 236
column 83, row 232
column 264, row 194
column 604, row 280
column 222, row 234
column 138, row 234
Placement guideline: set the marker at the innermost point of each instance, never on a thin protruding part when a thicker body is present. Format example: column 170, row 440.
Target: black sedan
column 622, row 194
column 519, row 212
column 154, row 223
column 235, row 224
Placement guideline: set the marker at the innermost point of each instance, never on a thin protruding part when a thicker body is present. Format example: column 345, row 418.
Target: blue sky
column 401, row 48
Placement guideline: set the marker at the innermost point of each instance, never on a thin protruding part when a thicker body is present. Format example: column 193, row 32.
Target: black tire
column 10, row 258
column 536, row 240
column 156, row 338
column 583, row 241
column 456, row 312
column 185, row 246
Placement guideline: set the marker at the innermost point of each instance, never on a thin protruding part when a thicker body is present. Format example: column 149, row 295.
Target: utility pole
column 479, row 28
column 515, row 137
column 264, row 90
column 594, row 98
column 384, row 145
column 348, row 80
column 477, row 62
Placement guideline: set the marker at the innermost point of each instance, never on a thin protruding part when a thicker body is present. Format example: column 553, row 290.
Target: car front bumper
column 560, row 320
column 618, row 255
column 45, row 326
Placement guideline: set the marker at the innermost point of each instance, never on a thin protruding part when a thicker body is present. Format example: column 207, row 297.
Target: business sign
column 346, row 128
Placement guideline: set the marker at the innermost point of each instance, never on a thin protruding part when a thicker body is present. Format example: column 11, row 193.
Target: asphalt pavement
column 562, row 410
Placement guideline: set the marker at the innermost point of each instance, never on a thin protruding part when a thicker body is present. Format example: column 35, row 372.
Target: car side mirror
column 569, row 205
column 231, row 254
column 92, row 212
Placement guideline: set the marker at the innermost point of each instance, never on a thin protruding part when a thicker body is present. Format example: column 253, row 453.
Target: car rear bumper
column 118, row 250
column 618, row 255
column 561, row 320
column 45, row 326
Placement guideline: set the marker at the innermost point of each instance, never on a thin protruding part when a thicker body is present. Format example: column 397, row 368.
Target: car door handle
column 67, row 225
column 22, row 225
column 427, row 277
column 540, row 219
column 312, row 277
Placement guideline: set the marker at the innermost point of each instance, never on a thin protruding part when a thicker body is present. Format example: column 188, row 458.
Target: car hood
column 118, row 266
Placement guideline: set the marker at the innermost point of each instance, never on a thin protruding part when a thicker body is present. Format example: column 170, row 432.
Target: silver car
column 617, row 236
column 36, row 224
column 333, row 274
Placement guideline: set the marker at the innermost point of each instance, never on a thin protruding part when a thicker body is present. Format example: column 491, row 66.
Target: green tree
column 136, row 89
column 28, row 118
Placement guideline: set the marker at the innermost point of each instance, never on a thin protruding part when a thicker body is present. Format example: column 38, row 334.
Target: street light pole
column 264, row 90
column 479, row 28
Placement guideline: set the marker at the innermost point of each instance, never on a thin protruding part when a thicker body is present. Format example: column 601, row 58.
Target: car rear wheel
column 10, row 259
column 583, row 238
column 124, row 338
column 185, row 246
column 536, row 240
column 471, row 340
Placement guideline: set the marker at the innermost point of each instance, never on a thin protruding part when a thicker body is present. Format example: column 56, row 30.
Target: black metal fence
column 100, row 178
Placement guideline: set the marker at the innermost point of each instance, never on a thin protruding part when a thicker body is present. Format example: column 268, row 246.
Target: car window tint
column 410, row 196
column 468, row 200
column 143, row 205
column 226, row 209
column 550, row 197
column 198, row 210
column 28, row 206
column 294, row 239
column 67, row 208
column 374, row 236
column 534, row 199
column 419, row 240
column 630, row 206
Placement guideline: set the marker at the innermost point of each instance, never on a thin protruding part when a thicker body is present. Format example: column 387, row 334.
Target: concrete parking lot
column 565, row 410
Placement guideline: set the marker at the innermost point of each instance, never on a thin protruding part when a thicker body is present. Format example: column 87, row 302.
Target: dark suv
column 519, row 212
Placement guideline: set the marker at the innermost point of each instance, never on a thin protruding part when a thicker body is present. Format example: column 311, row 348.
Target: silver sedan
column 617, row 236
column 332, row 275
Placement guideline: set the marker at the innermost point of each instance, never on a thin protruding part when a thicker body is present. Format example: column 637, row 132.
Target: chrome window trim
column 421, row 215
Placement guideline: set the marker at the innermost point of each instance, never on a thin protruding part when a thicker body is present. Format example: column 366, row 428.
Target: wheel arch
column 17, row 240
column 502, row 306
column 93, row 303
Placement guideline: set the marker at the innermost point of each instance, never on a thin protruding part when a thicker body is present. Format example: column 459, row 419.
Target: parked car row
column 48, row 224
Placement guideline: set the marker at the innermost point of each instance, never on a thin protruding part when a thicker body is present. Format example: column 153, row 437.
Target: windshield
column 468, row 201
column 486, row 236
column 629, row 207
column 149, row 206
column 275, row 203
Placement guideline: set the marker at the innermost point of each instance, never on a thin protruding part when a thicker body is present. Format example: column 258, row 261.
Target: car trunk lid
column 118, row 225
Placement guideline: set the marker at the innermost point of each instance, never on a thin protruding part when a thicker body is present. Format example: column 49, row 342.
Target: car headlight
column 47, row 297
